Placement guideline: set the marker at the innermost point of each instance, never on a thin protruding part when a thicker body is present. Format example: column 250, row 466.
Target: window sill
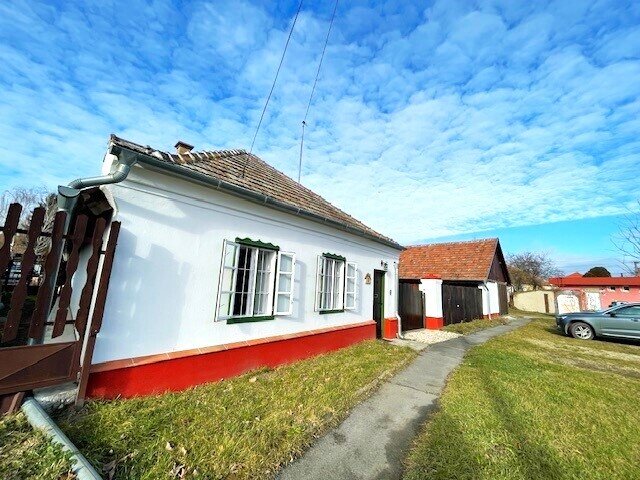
column 322, row 312
column 249, row 319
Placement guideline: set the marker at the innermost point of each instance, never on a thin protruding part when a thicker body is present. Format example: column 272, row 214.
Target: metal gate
column 461, row 303
column 33, row 351
column 410, row 305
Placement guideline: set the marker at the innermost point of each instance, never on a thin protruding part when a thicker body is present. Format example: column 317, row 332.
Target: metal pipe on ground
column 39, row 419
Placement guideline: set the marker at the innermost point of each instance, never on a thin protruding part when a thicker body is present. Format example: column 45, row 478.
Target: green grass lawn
column 534, row 404
column 26, row 453
column 244, row 427
column 475, row 325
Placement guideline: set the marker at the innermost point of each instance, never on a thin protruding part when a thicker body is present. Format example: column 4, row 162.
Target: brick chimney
column 183, row 147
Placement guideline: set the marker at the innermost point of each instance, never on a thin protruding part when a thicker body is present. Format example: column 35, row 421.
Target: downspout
column 68, row 196
column 67, row 200
column 486, row 287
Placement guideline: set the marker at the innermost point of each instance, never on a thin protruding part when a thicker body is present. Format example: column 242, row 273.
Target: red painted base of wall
column 433, row 323
column 390, row 328
column 179, row 373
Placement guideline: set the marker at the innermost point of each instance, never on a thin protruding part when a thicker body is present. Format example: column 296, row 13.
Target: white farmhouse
column 225, row 264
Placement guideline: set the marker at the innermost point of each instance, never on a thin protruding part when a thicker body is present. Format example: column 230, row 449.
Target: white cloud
column 424, row 123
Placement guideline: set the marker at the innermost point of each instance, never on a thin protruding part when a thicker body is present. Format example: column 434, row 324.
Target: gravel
column 430, row 336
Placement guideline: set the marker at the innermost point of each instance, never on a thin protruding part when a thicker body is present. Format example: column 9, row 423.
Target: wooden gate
column 461, row 303
column 503, row 298
column 410, row 305
column 40, row 347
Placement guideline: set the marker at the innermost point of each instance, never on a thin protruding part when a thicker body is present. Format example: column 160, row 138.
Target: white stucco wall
column 533, row 301
column 432, row 288
column 490, row 299
column 163, row 289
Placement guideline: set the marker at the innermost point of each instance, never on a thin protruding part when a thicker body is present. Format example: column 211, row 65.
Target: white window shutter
column 285, row 277
column 316, row 303
column 228, row 266
column 351, row 286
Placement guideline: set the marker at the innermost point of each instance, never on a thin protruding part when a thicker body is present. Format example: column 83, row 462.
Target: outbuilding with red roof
column 461, row 281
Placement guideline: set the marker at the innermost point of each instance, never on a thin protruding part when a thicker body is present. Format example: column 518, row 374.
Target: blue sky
column 439, row 119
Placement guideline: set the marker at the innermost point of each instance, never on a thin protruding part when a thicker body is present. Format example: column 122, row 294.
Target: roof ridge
column 481, row 240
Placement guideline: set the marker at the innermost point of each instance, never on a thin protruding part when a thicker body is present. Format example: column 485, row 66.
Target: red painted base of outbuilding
column 433, row 323
column 180, row 370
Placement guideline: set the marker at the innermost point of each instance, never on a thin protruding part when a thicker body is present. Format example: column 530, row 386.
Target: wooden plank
column 24, row 368
column 10, row 403
column 19, row 294
column 41, row 312
column 92, row 270
column 9, row 230
column 72, row 264
column 98, row 312
column 105, row 276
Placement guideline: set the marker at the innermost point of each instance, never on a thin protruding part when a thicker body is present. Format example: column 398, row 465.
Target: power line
column 313, row 89
column 286, row 45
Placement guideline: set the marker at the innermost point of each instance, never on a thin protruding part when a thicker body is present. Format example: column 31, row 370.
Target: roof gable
column 471, row 260
column 249, row 172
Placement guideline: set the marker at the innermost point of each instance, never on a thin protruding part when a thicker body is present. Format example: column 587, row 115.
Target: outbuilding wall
column 490, row 299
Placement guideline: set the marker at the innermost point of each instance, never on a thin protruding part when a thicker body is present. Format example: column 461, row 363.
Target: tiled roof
column 451, row 261
column 259, row 177
column 573, row 281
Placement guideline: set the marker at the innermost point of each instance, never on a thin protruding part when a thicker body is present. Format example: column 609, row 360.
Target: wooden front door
column 378, row 300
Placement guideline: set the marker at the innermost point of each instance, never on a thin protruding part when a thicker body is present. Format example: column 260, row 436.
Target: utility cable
column 286, row 45
column 313, row 89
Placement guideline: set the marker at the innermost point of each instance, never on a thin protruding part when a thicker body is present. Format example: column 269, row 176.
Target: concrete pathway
column 374, row 439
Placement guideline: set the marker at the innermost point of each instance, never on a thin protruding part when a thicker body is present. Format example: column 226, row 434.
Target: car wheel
column 581, row 331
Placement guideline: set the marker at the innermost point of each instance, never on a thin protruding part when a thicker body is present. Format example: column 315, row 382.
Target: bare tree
column 30, row 198
column 531, row 268
column 50, row 204
column 627, row 241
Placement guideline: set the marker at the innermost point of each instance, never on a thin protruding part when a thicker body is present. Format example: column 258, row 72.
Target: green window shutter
column 257, row 243
column 334, row 256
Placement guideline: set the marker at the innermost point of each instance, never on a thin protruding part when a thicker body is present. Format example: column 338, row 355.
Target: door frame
column 379, row 274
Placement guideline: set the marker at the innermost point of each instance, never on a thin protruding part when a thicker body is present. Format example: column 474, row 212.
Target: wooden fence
column 41, row 332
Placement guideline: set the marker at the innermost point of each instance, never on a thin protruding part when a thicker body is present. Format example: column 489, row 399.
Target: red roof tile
column 452, row 261
column 249, row 172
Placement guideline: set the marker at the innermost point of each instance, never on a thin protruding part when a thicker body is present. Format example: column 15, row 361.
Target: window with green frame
column 335, row 284
column 256, row 282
